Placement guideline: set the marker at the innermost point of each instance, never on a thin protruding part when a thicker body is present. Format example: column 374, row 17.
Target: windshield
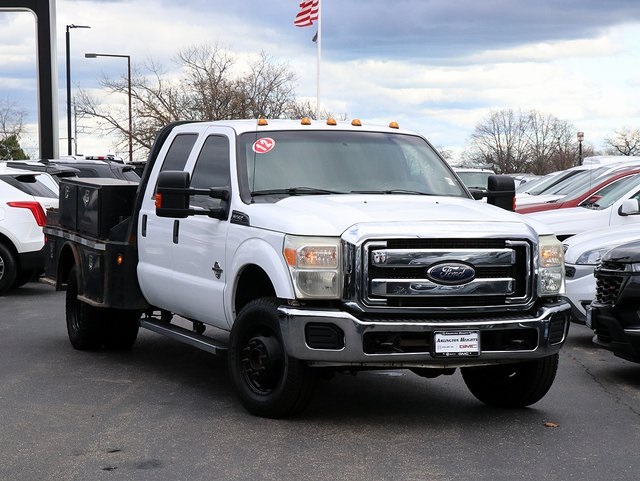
column 578, row 182
column 549, row 181
column 621, row 188
column 282, row 163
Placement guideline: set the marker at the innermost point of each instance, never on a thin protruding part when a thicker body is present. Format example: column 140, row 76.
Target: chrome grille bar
column 426, row 288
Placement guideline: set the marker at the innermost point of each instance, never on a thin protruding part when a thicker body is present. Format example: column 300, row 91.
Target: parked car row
column 27, row 190
column 595, row 210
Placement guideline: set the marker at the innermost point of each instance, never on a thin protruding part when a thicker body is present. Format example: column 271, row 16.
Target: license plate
column 456, row 343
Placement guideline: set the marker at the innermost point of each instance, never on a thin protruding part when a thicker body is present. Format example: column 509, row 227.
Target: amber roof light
column 262, row 121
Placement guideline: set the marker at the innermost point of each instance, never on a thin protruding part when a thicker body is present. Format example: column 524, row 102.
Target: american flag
column 307, row 14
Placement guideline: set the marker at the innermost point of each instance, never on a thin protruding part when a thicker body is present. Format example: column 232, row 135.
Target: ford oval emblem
column 451, row 273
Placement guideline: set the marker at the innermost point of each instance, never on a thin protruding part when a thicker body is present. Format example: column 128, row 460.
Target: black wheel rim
column 262, row 364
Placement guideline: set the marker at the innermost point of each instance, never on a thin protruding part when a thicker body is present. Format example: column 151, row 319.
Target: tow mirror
column 501, row 191
column 172, row 194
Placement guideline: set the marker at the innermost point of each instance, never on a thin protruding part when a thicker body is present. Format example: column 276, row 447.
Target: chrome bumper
column 545, row 321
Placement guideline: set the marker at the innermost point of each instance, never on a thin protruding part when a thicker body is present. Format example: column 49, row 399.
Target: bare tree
column 11, row 128
column 522, row 142
column 625, row 141
column 500, row 140
column 207, row 89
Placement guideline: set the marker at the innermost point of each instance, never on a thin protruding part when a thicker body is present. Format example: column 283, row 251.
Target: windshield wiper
column 295, row 191
column 390, row 191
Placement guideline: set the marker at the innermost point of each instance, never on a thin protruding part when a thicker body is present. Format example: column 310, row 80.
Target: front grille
column 412, row 273
column 609, row 282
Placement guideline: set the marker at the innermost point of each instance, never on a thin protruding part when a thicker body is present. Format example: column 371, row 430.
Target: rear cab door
column 156, row 234
column 182, row 261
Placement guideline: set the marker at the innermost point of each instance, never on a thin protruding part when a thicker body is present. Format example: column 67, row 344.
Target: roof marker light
column 262, row 121
column 356, row 123
column 305, row 121
column 394, row 125
column 331, row 121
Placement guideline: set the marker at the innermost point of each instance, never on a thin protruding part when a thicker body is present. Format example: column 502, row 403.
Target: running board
column 184, row 335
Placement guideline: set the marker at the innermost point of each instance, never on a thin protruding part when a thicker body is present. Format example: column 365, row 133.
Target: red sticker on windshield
column 263, row 145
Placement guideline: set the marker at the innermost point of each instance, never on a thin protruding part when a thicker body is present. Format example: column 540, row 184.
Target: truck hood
column 332, row 215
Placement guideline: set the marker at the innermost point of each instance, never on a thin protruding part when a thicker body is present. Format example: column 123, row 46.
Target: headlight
column 551, row 267
column 314, row 264
column 592, row 257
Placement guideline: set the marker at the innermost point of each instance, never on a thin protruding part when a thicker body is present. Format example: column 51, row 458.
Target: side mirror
column 172, row 194
column 501, row 191
column 629, row 207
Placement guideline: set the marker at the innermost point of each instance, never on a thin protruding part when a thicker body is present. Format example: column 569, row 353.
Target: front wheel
column 512, row 385
column 268, row 381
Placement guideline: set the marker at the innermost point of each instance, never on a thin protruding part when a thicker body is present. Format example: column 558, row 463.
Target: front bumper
column 396, row 342
column 617, row 330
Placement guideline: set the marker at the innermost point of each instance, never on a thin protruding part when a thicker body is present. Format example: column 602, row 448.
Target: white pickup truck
column 318, row 247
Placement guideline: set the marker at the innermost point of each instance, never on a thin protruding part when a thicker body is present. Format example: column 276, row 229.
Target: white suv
column 24, row 198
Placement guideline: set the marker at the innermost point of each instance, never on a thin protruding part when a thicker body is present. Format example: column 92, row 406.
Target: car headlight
column 551, row 267
column 592, row 257
column 314, row 264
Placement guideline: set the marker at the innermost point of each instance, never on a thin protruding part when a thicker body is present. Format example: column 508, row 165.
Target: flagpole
column 319, row 55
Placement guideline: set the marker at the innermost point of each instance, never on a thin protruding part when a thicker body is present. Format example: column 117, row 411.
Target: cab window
column 211, row 170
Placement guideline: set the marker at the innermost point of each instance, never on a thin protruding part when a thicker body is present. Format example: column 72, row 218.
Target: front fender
column 266, row 253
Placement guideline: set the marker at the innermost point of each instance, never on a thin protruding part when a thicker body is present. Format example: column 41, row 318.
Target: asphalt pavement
column 166, row 411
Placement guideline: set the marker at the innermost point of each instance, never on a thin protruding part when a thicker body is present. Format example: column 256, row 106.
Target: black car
column 88, row 167
column 57, row 172
column 614, row 314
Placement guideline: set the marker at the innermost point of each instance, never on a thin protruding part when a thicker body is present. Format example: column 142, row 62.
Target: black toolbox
column 94, row 205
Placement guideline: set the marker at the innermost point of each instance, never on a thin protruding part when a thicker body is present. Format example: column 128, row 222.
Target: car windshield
column 31, row 184
column 283, row 163
column 578, row 182
column 613, row 195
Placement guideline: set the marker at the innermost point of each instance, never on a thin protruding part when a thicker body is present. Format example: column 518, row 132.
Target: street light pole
column 68, row 60
column 580, row 139
column 128, row 57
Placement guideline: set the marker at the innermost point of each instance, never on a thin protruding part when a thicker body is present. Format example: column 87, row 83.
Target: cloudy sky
column 436, row 66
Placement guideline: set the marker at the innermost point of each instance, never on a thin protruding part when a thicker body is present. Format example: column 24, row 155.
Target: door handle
column 176, row 231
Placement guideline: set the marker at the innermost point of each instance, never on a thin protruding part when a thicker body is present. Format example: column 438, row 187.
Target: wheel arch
column 9, row 244
column 67, row 258
column 259, row 271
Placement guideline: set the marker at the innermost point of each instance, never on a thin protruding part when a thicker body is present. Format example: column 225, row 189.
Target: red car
column 590, row 196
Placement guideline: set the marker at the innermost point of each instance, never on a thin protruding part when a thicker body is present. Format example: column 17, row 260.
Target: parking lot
column 166, row 411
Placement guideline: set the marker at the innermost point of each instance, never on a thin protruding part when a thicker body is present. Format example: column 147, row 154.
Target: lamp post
column 128, row 57
column 580, row 139
column 69, row 139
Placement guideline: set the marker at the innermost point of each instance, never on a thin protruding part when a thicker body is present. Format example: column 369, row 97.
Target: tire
column 512, row 385
column 268, row 381
column 121, row 329
column 8, row 268
column 23, row 278
column 85, row 323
